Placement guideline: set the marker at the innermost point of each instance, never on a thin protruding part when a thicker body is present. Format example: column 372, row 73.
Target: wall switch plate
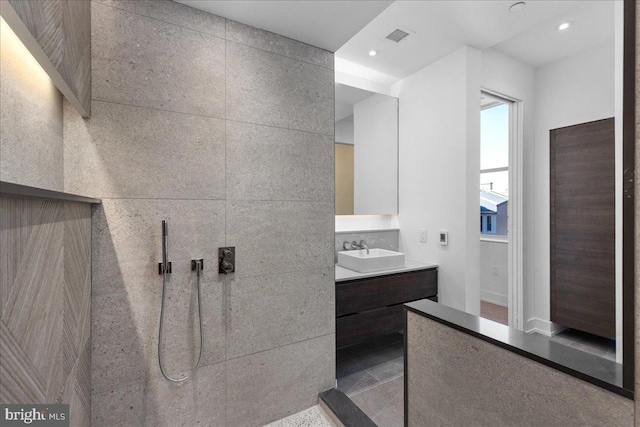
column 423, row 235
column 444, row 238
column 495, row 270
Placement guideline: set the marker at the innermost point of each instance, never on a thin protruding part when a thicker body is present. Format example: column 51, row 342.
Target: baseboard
column 494, row 298
column 543, row 327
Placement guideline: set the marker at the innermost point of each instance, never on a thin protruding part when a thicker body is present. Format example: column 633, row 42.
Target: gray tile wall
column 226, row 132
column 30, row 121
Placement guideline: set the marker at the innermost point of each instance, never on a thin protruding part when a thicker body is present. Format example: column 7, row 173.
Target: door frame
column 515, row 276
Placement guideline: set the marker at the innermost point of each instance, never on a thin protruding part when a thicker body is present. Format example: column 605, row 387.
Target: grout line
column 214, row 200
column 156, row 109
column 280, row 346
column 211, row 117
column 213, row 281
column 149, row 379
column 285, row 56
column 166, row 22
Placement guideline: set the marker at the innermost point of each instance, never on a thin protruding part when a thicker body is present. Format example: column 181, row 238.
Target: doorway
column 500, row 214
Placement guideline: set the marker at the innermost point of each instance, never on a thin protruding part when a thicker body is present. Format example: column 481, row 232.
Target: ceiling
column 438, row 28
column 346, row 98
column 327, row 24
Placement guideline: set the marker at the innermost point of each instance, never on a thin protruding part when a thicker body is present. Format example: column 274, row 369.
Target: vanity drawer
column 365, row 294
column 358, row 328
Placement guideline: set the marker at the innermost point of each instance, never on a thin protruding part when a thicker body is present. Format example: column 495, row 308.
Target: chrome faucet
column 360, row 245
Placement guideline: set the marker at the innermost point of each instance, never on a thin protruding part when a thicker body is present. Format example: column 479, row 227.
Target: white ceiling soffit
column 441, row 27
column 327, row 24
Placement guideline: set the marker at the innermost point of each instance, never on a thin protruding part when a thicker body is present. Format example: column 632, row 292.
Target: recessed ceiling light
column 564, row 26
column 373, row 53
column 517, row 7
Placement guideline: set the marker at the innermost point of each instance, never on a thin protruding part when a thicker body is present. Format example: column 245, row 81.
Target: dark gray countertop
column 18, row 190
column 596, row 370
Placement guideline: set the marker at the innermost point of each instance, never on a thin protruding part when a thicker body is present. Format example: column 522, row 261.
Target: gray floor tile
column 384, row 403
column 387, row 370
column 356, row 382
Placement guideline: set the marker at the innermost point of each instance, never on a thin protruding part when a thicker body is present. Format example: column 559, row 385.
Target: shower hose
column 198, row 268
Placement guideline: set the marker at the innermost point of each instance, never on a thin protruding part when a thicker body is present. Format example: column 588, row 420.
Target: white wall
column 344, row 130
column 574, row 90
column 440, row 171
column 494, row 282
column 375, row 136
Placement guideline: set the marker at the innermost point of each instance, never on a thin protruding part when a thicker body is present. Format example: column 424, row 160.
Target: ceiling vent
column 397, row 35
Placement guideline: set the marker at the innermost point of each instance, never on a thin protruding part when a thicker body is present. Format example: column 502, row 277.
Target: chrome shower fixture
column 197, row 265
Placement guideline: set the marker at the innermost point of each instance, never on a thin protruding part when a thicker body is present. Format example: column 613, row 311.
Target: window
column 494, row 164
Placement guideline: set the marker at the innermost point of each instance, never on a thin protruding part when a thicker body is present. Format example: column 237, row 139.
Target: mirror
column 366, row 152
column 517, row 140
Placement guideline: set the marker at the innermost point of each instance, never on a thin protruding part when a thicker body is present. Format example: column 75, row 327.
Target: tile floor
column 372, row 375
column 593, row 344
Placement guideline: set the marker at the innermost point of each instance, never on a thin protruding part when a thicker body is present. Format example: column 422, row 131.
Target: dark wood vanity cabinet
column 369, row 307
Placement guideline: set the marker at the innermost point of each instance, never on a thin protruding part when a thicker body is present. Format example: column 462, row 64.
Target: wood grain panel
column 365, row 294
column 583, row 227
column 361, row 327
column 45, row 350
column 62, row 30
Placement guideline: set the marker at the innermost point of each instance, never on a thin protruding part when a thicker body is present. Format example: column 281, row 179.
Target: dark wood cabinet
column 583, row 225
column 366, row 308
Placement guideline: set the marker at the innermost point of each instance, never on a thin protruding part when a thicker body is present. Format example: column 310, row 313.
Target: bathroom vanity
column 370, row 304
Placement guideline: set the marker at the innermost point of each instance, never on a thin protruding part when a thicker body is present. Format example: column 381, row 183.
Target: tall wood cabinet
column 583, row 227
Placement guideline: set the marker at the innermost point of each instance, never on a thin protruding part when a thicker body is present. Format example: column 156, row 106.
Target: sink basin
column 375, row 260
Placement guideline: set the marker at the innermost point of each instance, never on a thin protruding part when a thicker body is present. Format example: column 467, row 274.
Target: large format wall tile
column 173, row 13
column 142, row 61
column 273, row 384
column 279, row 237
column 132, row 152
column 118, row 354
column 30, row 121
column 121, row 407
column 275, row 43
column 273, row 90
column 273, row 310
column 128, row 289
column 127, row 243
column 284, row 164
column 199, row 400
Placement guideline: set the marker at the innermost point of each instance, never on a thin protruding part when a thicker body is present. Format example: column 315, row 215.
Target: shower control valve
column 227, row 260
column 161, row 268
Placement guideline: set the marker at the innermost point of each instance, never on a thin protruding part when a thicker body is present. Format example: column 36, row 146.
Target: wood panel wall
column 45, row 304
column 60, row 40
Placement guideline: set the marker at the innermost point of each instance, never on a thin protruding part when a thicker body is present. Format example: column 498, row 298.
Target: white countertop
column 343, row 274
